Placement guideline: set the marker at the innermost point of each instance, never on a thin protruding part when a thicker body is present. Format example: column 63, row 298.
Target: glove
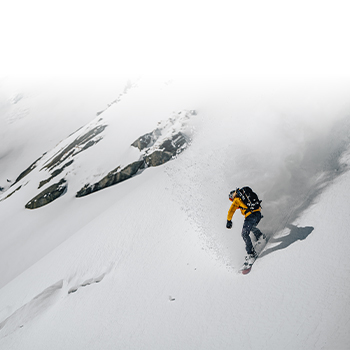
column 229, row 224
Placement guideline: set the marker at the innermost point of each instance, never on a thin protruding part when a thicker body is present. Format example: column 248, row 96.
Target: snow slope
column 30, row 110
column 149, row 264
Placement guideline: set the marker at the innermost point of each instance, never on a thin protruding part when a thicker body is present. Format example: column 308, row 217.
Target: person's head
column 232, row 195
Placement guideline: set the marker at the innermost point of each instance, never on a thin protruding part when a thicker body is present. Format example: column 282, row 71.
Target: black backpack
column 249, row 198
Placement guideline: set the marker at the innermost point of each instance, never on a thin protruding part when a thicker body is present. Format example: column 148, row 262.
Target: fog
column 286, row 141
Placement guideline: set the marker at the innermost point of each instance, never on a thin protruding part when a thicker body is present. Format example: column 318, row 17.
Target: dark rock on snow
column 27, row 171
column 153, row 156
column 9, row 195
column 49, row 195
column 54, row 174
column 147, row 140
column 161, row 145
column 113, row 177
column 74, row 148
column 167, row 150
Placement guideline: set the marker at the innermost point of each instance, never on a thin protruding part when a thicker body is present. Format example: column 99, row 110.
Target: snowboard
column 259, row 247
column 247, row 267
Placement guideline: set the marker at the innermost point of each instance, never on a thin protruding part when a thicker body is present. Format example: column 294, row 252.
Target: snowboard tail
column 246, row 270
column 247, row 266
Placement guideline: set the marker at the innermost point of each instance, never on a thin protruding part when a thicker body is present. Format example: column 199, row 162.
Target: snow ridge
column 167, row 141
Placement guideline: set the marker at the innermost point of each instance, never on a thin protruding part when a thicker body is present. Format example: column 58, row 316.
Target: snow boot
column 254, row 254
column 250, row 258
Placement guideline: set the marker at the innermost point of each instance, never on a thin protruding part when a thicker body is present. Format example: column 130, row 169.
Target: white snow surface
column 149, row 263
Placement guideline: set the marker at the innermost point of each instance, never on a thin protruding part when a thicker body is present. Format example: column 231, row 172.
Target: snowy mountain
column 133, row 253
column 164, row 143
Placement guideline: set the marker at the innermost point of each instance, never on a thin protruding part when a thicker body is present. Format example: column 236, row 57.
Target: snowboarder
column 249, row 204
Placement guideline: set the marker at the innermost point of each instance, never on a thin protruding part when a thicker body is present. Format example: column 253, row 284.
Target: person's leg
column 250, row 224
column 257, row 233
column 247, row 226
column 257, row 217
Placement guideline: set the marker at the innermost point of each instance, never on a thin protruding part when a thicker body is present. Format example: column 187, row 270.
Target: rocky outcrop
column 167, row 150
column 9, row 195
column 27, row 171
column 49, row 195
column 164, row 143
column 57, row 163
column 112, row 178
column 80, row 144
column 147, row 140
column 156, row 147
column 54, row 174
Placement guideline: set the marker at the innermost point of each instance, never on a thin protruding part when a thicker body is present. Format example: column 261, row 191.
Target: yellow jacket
column 237, row 203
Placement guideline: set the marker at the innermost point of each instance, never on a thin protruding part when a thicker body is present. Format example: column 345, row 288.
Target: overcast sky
column 294, row 38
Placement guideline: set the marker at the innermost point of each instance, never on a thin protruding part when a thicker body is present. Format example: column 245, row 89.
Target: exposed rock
column 147, row 140
column 9, row 195
column 158, row 158
column 167, row 150
column 112, row 178
column 54, row 174
column 78, row 145
column 163, row 144
column 27, row 171
column 156, row 147
column 164, row 152
column 47, row 196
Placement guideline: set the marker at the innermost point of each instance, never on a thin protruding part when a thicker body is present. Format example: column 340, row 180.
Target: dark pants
column 250, row 224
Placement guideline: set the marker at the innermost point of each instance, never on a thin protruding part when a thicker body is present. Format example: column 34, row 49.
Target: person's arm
column 233, row 208
column 231, row 211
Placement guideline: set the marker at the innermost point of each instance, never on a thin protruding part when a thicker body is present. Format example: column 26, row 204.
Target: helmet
column 232, row 195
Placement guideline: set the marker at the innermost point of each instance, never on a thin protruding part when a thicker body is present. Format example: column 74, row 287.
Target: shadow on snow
column 296, row 234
